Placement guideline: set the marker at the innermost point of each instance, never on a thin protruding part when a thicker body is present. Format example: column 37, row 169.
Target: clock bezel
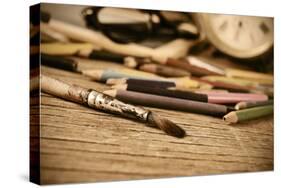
column 205, row 24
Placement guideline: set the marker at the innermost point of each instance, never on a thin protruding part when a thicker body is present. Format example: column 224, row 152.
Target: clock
column 238, row 36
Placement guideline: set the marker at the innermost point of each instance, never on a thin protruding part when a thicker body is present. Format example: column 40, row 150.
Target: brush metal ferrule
column 107, row 103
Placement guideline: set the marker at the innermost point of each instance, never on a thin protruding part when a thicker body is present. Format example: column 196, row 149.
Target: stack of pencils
column 153, row 77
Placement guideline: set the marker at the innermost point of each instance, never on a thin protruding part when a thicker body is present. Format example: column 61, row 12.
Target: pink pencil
column 228, row 98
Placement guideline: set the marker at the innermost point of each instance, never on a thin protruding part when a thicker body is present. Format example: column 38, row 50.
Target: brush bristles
column 166, row 125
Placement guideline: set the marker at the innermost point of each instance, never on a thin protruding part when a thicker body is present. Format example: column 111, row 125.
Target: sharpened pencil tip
column 166, row 125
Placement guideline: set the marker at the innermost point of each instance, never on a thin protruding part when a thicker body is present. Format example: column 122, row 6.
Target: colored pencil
column 136, row 62
column 179, row 84
column 148, row 65
column 100, row 101
column 59, row 62
column 194, row 66
column 205, row 64
column 248, row 114
column 174, row 49
column 222, row 85
column 163, row 92
column 254, row 86
column 231, row 80
column 251, row 104
column 102, row 75
column 231, row 98
column 250, row 75
column 164, row 70
column 85, row 50
column 168, row 102
column 67, row 49
column 210, row 97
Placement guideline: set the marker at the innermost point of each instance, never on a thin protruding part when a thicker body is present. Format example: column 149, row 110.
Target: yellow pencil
column 250, row 75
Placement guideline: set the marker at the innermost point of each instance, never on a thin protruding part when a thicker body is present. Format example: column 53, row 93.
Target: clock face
column 239, row 36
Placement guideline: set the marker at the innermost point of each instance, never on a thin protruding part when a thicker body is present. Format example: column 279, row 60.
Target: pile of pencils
column 165, row 77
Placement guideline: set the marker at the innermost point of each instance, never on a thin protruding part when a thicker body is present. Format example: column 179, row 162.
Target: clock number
column 264, row 28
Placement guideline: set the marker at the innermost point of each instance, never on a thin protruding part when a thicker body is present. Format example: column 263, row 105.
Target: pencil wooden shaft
column 168, row 93
column 59, row 62
column 171, row 103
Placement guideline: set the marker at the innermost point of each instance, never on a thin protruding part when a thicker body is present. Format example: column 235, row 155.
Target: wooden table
column 79, row 144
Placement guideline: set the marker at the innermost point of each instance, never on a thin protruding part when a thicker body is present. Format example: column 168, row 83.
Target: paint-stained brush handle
column 92, row 98
column 64, row 90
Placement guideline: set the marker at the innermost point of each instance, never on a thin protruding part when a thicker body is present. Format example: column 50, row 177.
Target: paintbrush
column 106, row 103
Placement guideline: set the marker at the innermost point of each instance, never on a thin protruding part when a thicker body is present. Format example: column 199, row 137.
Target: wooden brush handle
column 64, row 90
column 92, row 98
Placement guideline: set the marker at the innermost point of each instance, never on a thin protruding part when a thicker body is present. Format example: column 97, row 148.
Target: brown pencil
column 164, row 92
column 194, row 65
column 168, row 102
column 180, row 84
column 59, row 62
column 229, row 86
column 97, row 100
column 148, row 65
column 164, row 70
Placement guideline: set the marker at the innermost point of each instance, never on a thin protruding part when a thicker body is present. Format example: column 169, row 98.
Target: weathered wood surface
column 79, row 144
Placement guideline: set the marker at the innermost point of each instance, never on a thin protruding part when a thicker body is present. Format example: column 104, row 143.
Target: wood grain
column 79, row 144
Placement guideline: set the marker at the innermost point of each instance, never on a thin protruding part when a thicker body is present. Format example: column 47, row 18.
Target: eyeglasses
column 132, row 25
